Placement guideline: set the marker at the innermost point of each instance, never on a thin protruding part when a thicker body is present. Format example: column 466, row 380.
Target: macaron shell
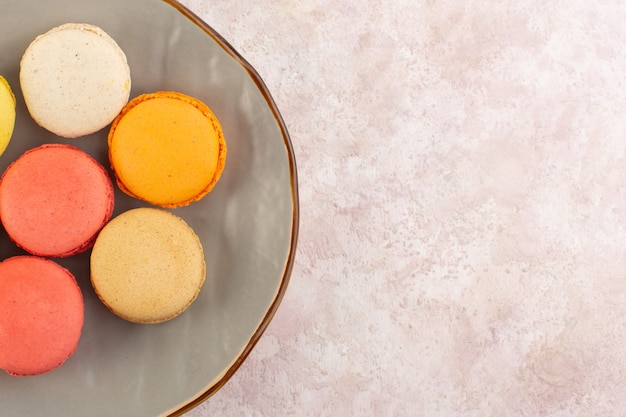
column 75, row 79
column 147, row 265
column 167, row 148
column 42, row 315
column 7, row 114
column 54, row 200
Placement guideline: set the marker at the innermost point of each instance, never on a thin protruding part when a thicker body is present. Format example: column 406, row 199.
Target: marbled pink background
column 462, row 173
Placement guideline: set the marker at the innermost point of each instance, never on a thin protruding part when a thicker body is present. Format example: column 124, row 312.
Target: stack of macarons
column 166, row 149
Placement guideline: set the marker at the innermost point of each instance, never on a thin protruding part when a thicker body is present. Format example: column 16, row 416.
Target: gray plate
column 248, row 224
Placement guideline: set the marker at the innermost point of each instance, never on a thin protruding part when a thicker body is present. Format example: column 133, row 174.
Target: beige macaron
column 147, row 265
column 75, row 79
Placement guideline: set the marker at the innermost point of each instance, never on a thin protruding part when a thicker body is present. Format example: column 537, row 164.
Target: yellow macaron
column 7, row 114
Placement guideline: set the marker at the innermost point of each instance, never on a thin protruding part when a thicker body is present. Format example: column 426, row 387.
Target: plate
column 248, row 224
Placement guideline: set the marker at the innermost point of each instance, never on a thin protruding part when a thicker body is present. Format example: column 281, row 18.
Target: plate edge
column 256, row 336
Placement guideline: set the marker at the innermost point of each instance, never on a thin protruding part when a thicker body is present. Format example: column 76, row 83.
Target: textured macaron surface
column 54, row 199
column 7, row 114
column 166, row 148
column 41, row 315
column 147, row 265
column 75, row 79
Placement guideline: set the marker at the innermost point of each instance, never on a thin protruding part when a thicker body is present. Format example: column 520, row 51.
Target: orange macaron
column 54, row 199
column 166, row 148
column 42, row 315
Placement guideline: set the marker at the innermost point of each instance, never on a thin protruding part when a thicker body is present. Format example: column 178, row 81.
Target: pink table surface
column 462, row 173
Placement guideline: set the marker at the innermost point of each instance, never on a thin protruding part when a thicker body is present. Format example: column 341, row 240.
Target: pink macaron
column 41, row 315
column 54, row 199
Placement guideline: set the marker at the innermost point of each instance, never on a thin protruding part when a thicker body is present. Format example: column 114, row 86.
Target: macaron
column 75, row 79
column 54, row 199
column 41, row 315
column 7, row 114
column 147, row 265
column 166, row 148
